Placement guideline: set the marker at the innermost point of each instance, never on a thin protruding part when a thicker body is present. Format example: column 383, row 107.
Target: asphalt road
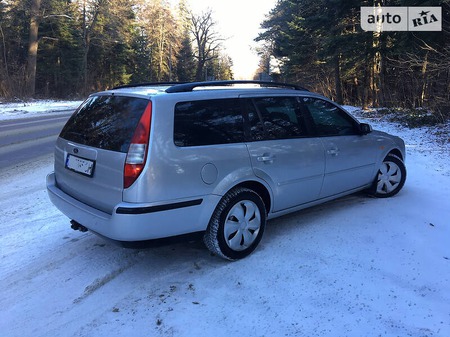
column 23, row 140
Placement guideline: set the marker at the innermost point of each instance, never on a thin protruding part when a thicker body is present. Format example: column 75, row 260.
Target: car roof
column 178, row 87
column 232, row 88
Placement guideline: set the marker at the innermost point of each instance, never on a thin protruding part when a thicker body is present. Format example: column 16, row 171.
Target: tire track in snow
column 101, row 281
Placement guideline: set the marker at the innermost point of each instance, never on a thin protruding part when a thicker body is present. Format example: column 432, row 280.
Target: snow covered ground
column 357, row 266
column 34, row 108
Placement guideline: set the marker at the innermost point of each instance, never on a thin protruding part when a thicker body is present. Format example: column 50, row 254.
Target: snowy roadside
column 21, row 110
column 357, row 266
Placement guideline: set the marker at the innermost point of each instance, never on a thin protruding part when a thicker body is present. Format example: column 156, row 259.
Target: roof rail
column 186, row 87
column 148, row 84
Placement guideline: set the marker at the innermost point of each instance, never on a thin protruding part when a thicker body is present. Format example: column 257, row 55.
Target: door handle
column 333, row 152
column 266, row 158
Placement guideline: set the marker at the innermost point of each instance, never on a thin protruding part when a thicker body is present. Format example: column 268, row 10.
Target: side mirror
column 365, row 128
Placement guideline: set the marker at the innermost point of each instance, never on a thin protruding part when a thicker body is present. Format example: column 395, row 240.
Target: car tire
column 390, row 178
column 237, row 224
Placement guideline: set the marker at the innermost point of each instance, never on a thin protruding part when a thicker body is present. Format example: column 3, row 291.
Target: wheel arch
column 397, row 153
column 260, row 189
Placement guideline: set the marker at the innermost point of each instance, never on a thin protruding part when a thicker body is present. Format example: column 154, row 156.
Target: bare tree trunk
column 199, row 71
column 424, row 80
column 376, row 69
column 161, row 46
column 367, row 77
column 5, row 80
column 32, row 48
column 337, row 79
column 208, row 41
column 87, row 30
column 85, row 50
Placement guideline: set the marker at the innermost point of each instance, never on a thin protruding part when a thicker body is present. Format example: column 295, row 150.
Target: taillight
column 137, row 152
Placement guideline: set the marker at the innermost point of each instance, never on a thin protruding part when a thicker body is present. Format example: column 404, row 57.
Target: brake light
column 137, row 152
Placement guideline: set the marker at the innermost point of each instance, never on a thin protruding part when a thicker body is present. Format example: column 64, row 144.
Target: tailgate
column 92, row 148
column 103, row 188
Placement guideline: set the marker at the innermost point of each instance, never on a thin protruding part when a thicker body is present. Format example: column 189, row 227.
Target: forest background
column 70, row 48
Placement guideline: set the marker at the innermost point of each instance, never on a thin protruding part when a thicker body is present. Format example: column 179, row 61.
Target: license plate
column 80, row 165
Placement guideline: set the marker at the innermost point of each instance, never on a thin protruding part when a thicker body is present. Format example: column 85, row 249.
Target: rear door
column 282, row 153
column 92, row 147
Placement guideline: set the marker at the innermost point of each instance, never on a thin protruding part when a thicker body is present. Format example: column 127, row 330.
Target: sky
column 239, row 22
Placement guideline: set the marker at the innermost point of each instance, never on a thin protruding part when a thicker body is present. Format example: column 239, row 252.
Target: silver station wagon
column 154, row 161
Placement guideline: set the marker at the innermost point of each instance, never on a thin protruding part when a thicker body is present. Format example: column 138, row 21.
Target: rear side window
column 276, row 118
column 208, row 122
column 105, row 122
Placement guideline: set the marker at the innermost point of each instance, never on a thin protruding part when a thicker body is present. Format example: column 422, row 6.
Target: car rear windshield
column 105, row 122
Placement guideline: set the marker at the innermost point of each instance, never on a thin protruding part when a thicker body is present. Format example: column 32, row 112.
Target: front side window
column 328, row 119
column 208, row 122
column 276, row 117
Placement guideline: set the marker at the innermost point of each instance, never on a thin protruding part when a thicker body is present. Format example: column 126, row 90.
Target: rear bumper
column 137, row 222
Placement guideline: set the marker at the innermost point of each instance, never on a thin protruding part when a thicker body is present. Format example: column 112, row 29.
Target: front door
column 350, row 157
